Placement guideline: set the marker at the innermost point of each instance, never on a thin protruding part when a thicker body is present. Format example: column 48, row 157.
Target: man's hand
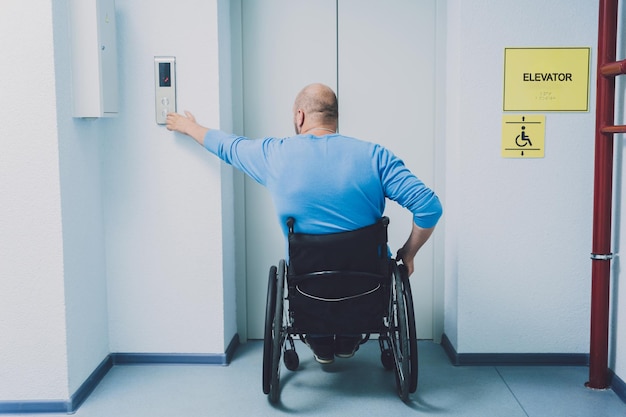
column 407, row 260
column 179, row 123
column 187, row 125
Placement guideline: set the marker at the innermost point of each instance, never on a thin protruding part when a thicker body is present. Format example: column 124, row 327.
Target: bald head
column 319, row 103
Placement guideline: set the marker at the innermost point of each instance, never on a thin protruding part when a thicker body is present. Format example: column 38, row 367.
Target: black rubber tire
column 410, row 314
column 386, row 357
column 291, row 359
column 270, row 307
column 399, row 335
column 278, row 334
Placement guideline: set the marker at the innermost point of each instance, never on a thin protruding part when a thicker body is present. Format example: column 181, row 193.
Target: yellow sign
column 546, row 79
column 523, row 136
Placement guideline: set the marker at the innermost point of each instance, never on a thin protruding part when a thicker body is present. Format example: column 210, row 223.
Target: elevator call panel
column 164, row 87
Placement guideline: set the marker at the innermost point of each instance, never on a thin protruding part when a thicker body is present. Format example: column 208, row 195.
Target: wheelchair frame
column 397, row 332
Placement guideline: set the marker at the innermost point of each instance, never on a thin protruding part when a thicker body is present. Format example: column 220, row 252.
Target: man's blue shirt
column 330, row 183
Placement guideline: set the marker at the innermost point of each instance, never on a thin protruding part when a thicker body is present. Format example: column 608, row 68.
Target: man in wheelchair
column 328, row 182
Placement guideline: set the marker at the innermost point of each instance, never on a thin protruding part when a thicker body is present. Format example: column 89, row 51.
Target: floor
column 349, row 387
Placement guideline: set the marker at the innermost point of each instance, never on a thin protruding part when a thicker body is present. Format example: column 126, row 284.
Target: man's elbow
column 429, row 216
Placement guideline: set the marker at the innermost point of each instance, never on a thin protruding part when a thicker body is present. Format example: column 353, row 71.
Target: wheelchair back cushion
column 339, row 283
column 361, row 250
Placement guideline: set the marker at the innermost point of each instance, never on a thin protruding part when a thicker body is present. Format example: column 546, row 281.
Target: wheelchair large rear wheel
column 278, row 333
column 410, row 315
column 399, row 334
column 270, row 307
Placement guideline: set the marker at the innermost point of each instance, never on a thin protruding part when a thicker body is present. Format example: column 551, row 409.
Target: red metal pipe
column 614, row 68
column 614, row 129
column 602, row 199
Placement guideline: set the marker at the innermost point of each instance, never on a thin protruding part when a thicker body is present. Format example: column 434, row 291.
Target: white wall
column 33, row 352
column 111, row 238
column 618, row 338
column 230, row 85
column 518, row 232
column 163, row 213
column 80, row 142
column 56, row 245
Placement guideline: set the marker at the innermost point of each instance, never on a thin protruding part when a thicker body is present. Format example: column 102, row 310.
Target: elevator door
column 379, row 57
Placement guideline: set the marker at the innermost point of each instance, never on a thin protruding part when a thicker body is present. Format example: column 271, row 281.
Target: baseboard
column 30, row 407
column 529, row 359
column 60, row 406
column 232, row 347
column 90, row 384
column 113, row 359
column 618, row 386
column 504, row 359
column 134, row 358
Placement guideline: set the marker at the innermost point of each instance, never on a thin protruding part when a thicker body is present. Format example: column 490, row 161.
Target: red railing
column 608, row 69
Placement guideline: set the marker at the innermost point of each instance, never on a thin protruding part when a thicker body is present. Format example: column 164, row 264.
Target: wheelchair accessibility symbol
column 522, row 139
column 523, row 136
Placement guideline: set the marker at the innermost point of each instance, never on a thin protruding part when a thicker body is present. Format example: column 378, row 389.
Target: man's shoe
column 346, row 346
column 322, row 347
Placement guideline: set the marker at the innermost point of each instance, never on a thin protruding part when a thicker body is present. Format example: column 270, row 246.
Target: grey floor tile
column 447, row 390
column 560, row 392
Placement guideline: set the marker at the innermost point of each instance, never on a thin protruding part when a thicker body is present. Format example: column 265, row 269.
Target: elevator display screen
column 165, row 79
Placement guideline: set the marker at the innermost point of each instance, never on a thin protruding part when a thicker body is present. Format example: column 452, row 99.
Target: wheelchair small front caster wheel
column 291, row 359
column 386, row 357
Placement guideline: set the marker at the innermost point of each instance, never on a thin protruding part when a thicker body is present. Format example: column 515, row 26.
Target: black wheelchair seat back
column 339, row 283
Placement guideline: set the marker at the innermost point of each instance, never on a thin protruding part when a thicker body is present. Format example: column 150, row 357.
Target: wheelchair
column 340, row 283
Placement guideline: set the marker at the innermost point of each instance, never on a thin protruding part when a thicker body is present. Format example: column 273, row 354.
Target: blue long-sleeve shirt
column 330, row 183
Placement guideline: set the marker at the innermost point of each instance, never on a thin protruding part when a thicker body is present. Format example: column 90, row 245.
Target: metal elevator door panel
column 386, row 79
column 379, row 57
column 286, row 45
